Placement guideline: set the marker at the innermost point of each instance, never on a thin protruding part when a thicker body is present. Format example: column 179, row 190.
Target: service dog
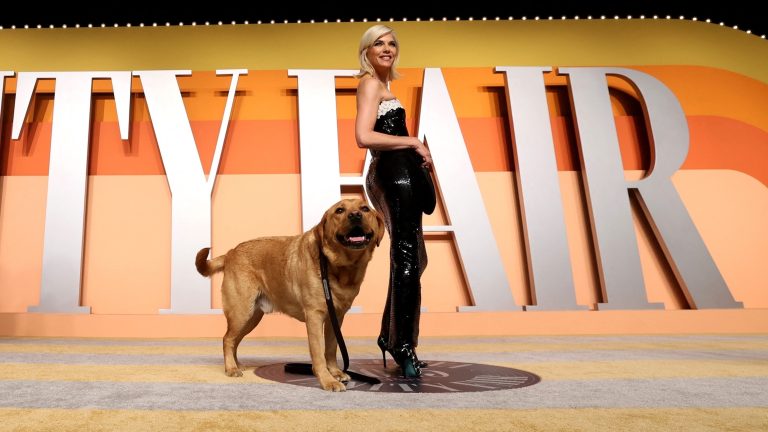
column 282, row 274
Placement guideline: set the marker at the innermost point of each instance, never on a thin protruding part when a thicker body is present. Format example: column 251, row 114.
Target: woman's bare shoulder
column 368, row 85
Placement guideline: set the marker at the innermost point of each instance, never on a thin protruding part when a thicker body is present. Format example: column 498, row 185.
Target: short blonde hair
column 369, row 38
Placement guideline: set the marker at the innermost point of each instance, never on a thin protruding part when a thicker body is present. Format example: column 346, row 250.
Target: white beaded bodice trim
column 388, row 105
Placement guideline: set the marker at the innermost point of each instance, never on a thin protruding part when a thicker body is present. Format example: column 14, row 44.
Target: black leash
column 306, row 369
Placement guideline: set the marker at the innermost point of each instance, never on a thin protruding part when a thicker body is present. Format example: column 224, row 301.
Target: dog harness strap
column 332, row 309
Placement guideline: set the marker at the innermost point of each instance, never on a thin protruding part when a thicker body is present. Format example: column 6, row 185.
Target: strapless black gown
column 400, row 190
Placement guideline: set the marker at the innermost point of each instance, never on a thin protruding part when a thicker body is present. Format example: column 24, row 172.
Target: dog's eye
column 340, row 210
column 365, row 209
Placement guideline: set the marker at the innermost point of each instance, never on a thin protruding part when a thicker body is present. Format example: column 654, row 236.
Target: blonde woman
column 400, row 186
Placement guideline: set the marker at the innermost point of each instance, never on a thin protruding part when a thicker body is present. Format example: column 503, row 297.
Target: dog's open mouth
column 356, row 238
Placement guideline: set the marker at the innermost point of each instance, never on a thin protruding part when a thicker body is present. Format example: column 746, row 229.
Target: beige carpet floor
column 589, row 383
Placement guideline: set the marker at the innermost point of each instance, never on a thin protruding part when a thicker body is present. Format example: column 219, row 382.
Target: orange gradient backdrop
column 126, row 272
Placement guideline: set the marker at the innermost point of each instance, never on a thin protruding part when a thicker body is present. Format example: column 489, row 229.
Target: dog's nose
column 355, row 216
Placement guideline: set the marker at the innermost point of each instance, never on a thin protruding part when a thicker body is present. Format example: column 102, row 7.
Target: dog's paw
column 234, row 372
column 333, row 385
column 340, row 375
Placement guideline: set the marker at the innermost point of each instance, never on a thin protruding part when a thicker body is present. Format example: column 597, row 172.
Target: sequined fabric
column 394, row 185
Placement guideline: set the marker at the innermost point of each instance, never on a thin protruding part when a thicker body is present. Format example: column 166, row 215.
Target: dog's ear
column 382, row 227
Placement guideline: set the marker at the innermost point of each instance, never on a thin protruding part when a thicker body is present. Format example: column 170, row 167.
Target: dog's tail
column 206, row 267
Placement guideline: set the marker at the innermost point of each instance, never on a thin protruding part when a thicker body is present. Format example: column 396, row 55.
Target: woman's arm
column 368, row 98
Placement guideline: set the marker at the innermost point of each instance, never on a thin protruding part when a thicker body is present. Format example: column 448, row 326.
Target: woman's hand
column 423, row 151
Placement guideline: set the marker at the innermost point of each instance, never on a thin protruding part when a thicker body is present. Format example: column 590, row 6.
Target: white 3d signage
column 548, row 261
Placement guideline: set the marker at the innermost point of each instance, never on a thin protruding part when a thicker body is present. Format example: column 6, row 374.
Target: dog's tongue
column 359, row 239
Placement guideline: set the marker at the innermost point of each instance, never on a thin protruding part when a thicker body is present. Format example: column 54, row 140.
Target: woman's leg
column 375, row 189
column 399, row 200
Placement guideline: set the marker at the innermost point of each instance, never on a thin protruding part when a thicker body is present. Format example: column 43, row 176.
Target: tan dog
column 282, row 274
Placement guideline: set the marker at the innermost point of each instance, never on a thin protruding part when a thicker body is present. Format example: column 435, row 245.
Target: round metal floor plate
column 438, row 377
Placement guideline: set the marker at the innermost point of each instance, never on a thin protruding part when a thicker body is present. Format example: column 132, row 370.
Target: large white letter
column 618, row 259
column 67, row 177
column 319, row 142
column 464, row 205
column 549, row 264
column 190, row 190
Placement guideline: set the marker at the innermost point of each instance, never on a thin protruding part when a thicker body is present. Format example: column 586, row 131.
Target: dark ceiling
column 733, row 13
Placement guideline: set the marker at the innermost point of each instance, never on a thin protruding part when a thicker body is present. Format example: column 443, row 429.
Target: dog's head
column 352, row 224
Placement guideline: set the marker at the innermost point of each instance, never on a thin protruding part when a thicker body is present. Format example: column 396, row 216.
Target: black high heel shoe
column 406, row 359
column 404, row 356
column 383, row 347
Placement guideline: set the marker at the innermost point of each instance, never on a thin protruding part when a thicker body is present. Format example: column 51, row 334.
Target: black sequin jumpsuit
column 396, row 188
